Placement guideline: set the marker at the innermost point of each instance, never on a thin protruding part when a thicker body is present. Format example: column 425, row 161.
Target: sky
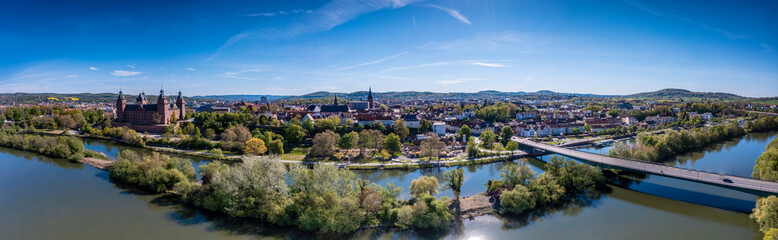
column 299, row 47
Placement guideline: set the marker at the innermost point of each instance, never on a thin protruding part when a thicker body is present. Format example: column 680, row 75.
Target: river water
column 45, row 198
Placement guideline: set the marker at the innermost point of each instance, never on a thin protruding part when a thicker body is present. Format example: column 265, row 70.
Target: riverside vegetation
column 766, row 211
column 519, row 191
column 318, row 198
column 659, row 147
column 70, row 148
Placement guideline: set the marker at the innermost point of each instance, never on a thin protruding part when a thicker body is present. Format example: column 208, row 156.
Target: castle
column 143, row 113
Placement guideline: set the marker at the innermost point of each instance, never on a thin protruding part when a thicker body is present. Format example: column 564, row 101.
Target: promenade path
column 758, row 187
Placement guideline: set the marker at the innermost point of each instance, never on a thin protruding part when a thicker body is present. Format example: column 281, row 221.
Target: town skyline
column 607, row 48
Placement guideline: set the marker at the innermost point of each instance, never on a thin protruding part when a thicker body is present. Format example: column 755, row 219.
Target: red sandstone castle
column 143, row 113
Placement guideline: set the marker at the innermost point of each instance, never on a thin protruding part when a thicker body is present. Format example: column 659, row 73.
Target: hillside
column 672, row 93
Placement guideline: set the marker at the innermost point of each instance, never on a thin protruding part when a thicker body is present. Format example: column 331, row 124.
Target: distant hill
column 672, row 93
column 361, row 95
column 244, row 97
column 35, row 98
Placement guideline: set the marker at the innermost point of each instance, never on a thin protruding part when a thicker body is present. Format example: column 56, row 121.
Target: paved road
column 738, row 183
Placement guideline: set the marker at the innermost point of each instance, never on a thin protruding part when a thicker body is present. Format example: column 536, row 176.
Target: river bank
column 73, row 202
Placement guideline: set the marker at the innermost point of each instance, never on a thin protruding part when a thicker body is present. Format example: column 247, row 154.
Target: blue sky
column 297, row 47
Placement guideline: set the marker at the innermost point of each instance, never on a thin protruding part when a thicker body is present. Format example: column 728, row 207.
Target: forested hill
column 671, row 93
column 35, row 98
column 361, row 95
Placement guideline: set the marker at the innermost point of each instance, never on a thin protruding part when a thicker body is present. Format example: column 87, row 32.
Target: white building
column 439, row 128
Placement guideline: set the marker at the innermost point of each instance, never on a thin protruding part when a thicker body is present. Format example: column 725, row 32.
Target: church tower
column 336, row 100
column 121, row 103
column 370, row 98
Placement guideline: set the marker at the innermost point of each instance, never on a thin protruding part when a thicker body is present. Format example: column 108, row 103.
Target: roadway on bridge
column 739, row 183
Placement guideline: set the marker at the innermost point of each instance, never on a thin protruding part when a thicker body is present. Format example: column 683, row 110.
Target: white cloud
column 94, row 69
column 453, row 12
column 458, row 80
column 487, row 64
column 190, row 69
column 122, row 73
column 323, row 19
column 272, row 14
column 240, row 74
column 372, row 62
column 447, row 63
column 71, row 76
column 730, row 35
column 131, row 66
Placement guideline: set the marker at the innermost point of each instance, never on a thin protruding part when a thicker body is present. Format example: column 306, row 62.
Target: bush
column 517, row 200
column 154, row 172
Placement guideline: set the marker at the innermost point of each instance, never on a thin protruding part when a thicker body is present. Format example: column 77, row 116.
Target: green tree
column 400, row 128
column 465, row 131
column 294, row 133
column 392, row 144
column 506, row 134
column 350, row 140
column 766, row 213
column 517, row 200
column 424, row 185
column 210, row 133
column 308, row 125
column 488, row 138
column 472, row 148
column 453, row 180
column 512, row 146
column 275, row 147
column 516, row 174
column 587, row 128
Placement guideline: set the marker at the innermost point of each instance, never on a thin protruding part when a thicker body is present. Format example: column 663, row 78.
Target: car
column 727, row 180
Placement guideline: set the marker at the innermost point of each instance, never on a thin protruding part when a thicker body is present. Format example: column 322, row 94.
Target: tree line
column 318, row 198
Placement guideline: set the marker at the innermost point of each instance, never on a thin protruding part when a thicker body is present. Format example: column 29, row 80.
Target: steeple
column 370, row 97
column 161, row 94
column 121, row 95
column 336, row 100
column 179, row 95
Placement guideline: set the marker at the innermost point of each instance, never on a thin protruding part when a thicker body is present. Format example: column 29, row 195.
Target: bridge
column 749, row 185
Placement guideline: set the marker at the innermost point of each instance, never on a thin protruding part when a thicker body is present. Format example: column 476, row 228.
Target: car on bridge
column 727, row 180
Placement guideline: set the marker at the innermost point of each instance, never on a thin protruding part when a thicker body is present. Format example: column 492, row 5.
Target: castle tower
column 370, row 98
column 162, row 107
column 141, row 99
column 121, row 103
column 180, row 105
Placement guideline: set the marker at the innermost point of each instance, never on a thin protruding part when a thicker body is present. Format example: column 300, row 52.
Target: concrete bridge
column 749, row 185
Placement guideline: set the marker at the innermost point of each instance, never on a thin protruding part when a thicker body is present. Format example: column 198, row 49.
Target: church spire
column 336, row 99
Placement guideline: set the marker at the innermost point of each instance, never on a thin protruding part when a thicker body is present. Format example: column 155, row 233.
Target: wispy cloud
column 458, row 80
column 730, row 35
column 273, row 14
column 372, row 62
column 323, row 19
column 487, row 64
column 453, row 12
column 131, row 66
column 240, row 74
column 445, row 63
column 483, row 42
column 191, row 69
column 94, row 69
column 71, row 76
column 122, row 73
column 767, row 48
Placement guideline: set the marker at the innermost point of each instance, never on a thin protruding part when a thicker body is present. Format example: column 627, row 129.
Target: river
column 45, row 198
